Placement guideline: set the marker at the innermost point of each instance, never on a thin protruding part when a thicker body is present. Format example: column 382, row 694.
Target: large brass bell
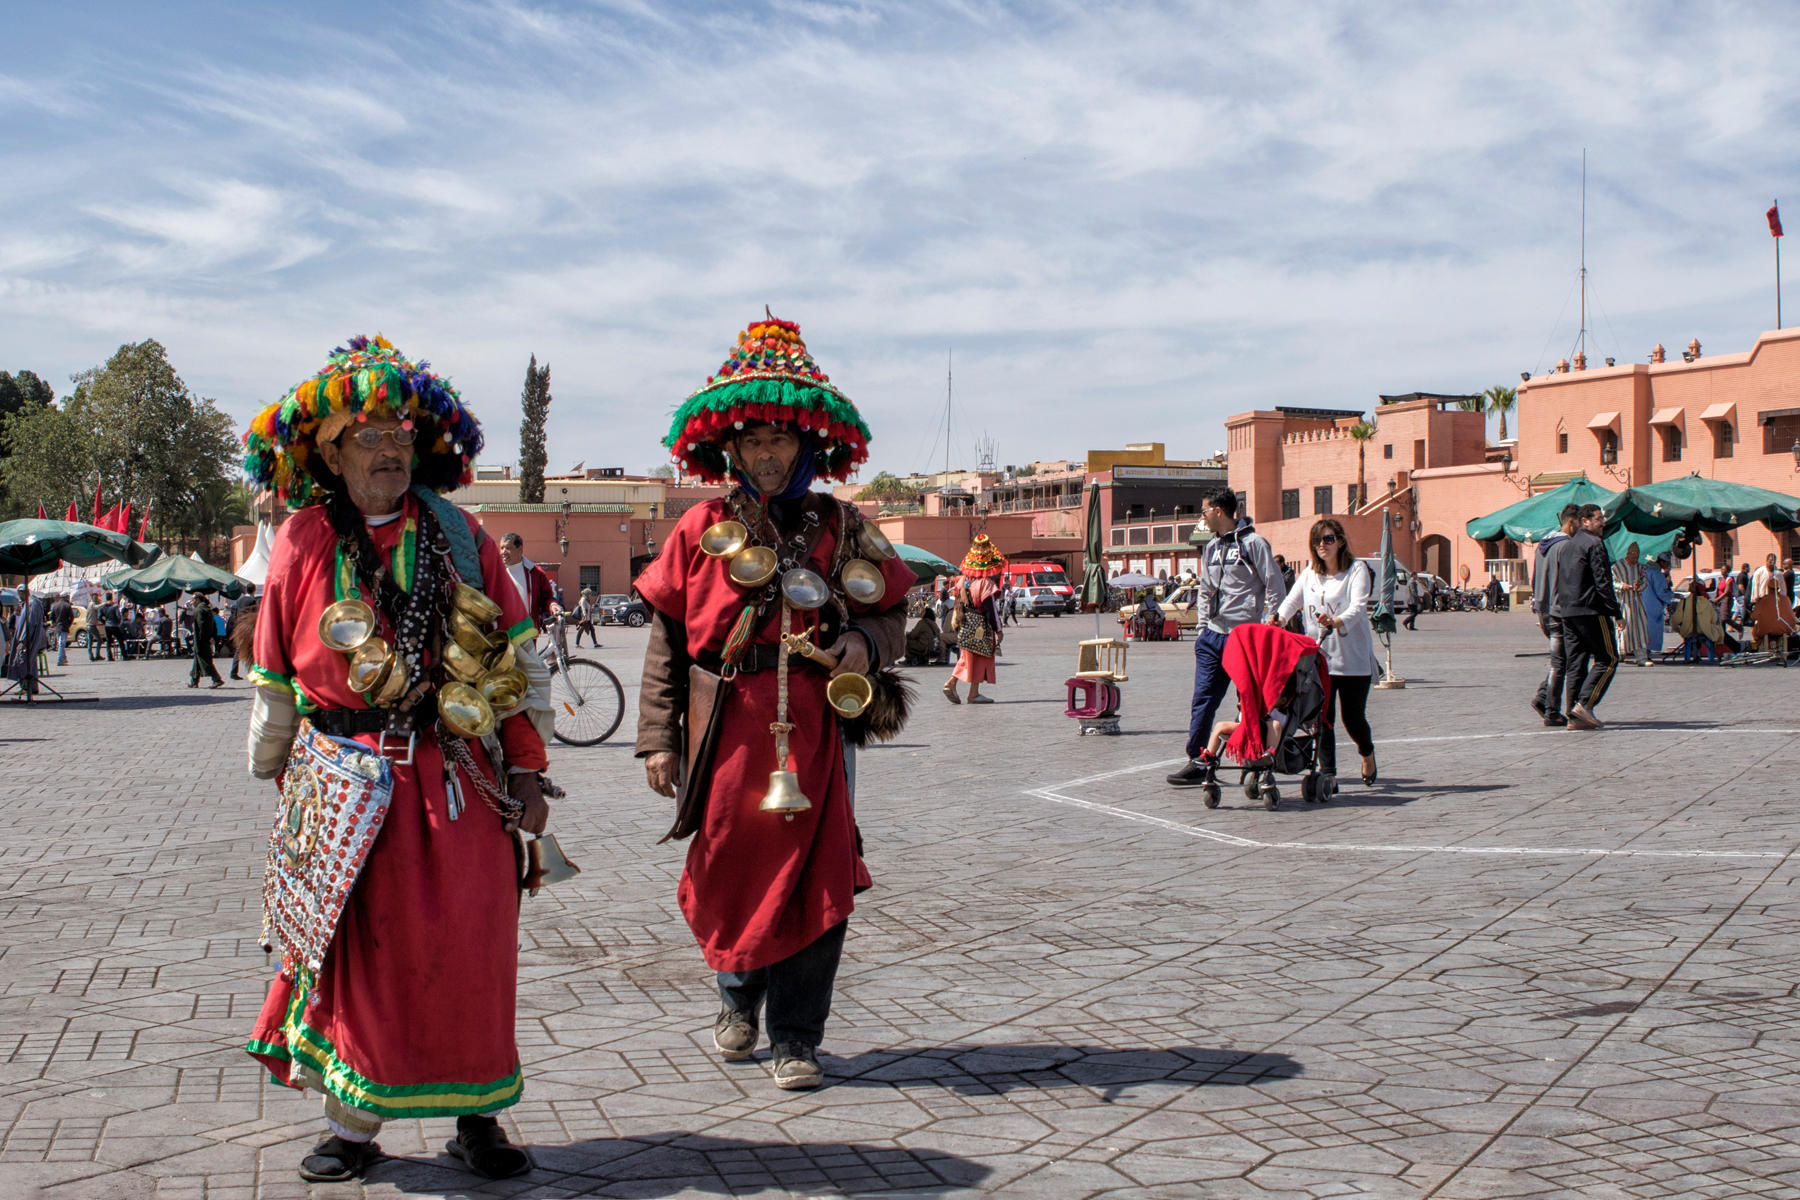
column 469, row 635
column 752, row 566
column 346, row 625
column 369, row 666
column 460, row 663
column 504, row 689
column 545, row 863
column 849, row 694
column 724, row 539
column 863, row 581
column 475, row 605
column 873, row 543
column 784, row 794
column 465, row 711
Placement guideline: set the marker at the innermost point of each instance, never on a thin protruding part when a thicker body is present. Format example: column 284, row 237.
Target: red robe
column 413, row 1016
column 759, row 888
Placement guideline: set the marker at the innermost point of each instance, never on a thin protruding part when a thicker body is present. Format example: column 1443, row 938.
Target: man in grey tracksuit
column 1582, row 598
column 1548, row 701
column 1240, row 583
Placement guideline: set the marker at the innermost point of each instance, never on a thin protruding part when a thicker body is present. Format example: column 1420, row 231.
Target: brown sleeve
column 887, row 634
column 662, row 694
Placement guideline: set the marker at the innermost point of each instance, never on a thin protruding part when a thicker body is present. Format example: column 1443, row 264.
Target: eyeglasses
column 1326, row 539
column 369, row 438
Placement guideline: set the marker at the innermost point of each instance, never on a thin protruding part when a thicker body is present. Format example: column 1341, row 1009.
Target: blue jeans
column 798, row 989
column 1210, row 684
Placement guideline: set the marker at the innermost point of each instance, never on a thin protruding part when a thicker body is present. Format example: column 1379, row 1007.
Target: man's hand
column 852, row 654
column 660, row 769
column 524, row 787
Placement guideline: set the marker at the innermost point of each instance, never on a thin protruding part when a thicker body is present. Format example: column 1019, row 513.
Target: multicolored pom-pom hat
column 984, row 560
column 365, row 377
column 770, row 377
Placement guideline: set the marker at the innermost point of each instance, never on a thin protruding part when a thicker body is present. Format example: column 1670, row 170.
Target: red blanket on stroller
column 1260, row 659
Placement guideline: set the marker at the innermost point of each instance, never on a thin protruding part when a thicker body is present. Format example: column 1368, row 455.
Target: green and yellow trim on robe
column 320, row 1069
column 275, row 681
column 404, row 562
column 524, row 631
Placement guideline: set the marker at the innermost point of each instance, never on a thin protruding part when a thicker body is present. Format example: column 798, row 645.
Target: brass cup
column 724, row 539
column 393, row 686
column 874, row 544
column 503, row 689
column 849, row 694
column 460, row 663
column 468, row 634
column 502, row 659
column 475, row 605
column 465, row 711
column 804, row 588
column 863, row 581
column 752, row 566
column 346, row 625
column 369, row 666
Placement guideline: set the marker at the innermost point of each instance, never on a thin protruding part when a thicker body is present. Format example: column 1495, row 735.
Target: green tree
column 1472, row 403
column 47, row 457
column 1500, row 399
column 533, row 455
column 1362, row 431
column 664, row 471
column 888, row 489
column 19, row 393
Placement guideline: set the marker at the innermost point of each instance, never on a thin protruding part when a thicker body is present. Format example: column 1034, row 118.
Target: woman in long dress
column 978, row 626
column 1634, row 631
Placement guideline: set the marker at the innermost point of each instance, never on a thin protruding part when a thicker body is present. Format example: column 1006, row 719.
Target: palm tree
column 1362, row 431
column 1500, row 400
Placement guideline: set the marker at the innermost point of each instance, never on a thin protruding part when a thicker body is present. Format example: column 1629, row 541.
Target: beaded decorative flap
column 334, row 799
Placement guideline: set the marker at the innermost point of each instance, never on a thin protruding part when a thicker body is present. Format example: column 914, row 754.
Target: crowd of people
column 111, row 626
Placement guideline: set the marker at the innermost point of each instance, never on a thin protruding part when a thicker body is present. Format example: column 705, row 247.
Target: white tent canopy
column 256, row 567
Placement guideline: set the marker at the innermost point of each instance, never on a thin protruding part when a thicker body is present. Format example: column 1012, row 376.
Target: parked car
column 1036, row 601
column 615, row 609
column 1179, row 605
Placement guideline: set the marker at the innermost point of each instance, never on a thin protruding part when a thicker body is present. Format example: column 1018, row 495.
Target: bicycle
column 586, row 698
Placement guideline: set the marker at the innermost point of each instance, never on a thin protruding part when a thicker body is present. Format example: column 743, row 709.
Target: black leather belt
column 348, row 722
column 757, row 658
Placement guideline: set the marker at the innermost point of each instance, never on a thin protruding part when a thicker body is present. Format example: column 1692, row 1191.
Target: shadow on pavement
column 202, row 697
column 1390, row 792
column 671, row 1164
column 985, row 1070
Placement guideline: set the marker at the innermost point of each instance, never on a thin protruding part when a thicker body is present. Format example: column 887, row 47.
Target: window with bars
column 1290, row 503
column 1322, row 500
column 1723, row 437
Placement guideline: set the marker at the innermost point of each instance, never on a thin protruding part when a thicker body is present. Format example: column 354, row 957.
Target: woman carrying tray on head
column 977, row 620
column 388, row 643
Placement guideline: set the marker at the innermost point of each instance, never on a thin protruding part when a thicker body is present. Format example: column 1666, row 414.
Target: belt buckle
column 411, row 745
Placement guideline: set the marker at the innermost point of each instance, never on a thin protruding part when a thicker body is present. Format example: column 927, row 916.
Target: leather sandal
column 483, row 1147
column 337, row 1160
column 950, row 693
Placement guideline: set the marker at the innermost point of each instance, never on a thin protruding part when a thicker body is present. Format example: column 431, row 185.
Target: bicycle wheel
column 588, row 702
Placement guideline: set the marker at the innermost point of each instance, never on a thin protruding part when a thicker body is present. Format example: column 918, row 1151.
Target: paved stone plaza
column 1529, row 963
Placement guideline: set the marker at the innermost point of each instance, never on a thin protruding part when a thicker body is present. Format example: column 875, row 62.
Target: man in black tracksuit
column 1585, row 604
column 1548, row 701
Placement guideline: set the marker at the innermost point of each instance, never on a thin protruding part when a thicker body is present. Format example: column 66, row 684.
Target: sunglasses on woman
column 1326, row 539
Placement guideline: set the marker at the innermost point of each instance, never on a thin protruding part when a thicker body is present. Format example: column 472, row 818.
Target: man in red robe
column 767, row 894
column 410, row 1013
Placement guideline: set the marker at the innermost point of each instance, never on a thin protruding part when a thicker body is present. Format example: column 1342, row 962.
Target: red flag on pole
column 1774, row 215
column 40, row 510
column 96, row 504
column 144, row 525
column 109, row 519
column 74, row 512
column 124, row 525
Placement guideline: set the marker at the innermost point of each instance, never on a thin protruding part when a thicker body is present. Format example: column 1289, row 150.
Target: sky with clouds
column 1126, row 221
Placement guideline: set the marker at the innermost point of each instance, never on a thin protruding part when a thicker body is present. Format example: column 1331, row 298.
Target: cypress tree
column 532, row 454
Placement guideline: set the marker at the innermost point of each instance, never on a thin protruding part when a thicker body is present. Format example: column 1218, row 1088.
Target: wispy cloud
column 1128, row 221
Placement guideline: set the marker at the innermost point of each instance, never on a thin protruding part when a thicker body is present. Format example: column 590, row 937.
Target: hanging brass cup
column 804, row 588
column 752, row 566
column 874, row 544
column 392, row 686
column 504, row 689
column 469, row 635
column 784, row 794
column 475, row 605
column 502, row 659
column 346, row 625
column 849, row 694
column 724, row 539
column 465, row 711
column 460, row 663
column 863, row 581
column 369, row 666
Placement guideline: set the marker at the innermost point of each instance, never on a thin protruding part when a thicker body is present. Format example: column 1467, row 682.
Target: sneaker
column 1582, row 717
column 1192, row 775
column 1537, row 706
column 796, row 1066
column 734, row 1034
column 1555, row 720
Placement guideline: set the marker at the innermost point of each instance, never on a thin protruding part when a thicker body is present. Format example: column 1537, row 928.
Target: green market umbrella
column 1381, row 620
column 1708, row 505
column 925, row 565
column 162, row 581
column 1535, row 517
column 1649, row 544
column 1094, row 590
column 34, row 547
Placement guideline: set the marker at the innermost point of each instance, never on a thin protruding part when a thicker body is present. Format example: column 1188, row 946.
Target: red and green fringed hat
column 984, row 560
column 367, row 376
column 770, row 377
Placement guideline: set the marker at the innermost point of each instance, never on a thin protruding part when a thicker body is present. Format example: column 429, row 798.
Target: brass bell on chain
column 784, row 794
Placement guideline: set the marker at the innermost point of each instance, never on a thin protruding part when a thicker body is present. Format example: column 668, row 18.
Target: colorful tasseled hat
column 984, row 560
column 769, row 377
column 366, row 376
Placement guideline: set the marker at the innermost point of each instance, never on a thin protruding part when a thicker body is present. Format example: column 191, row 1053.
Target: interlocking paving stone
column 1529, row 963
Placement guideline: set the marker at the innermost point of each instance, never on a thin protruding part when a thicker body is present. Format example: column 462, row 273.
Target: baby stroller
column 1283, row 689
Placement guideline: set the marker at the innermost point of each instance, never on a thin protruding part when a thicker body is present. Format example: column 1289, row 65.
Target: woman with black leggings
column 1332, row 598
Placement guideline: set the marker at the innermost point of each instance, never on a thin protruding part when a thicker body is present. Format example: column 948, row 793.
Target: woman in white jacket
column 1333, row 601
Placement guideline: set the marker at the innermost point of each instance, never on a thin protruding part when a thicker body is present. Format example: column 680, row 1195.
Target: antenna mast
column 1581, row 338
column 949, row 360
